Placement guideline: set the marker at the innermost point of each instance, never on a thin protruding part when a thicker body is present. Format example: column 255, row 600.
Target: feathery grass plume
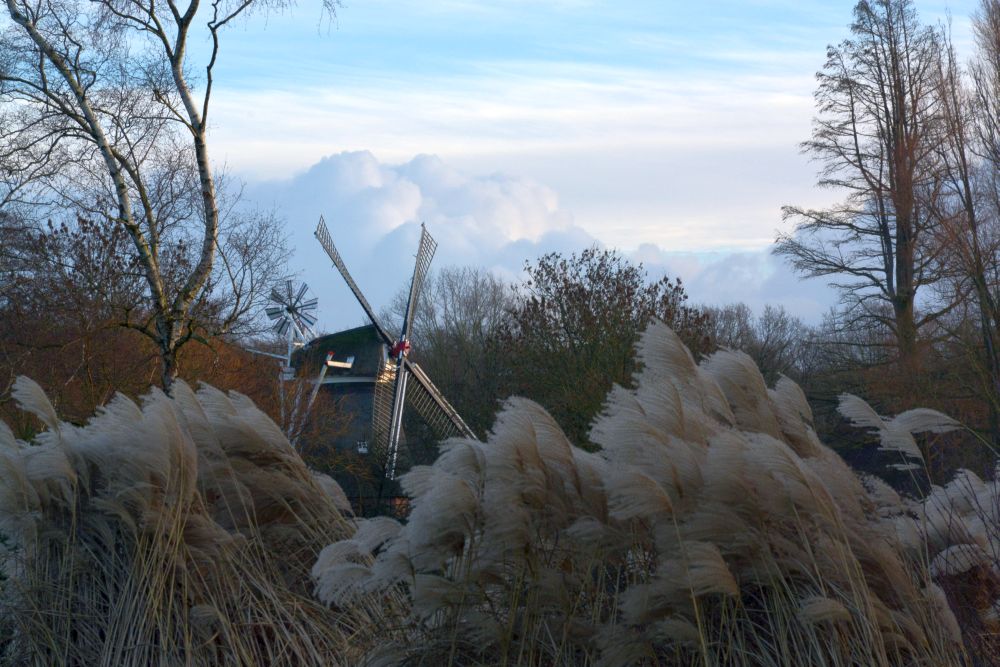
column 896, row 434
column 503, row 554
column 795, row 418
column 967, row 494
column 959, row 559
column 952, row 535
column 745, row 391
column 944, row 612
column 819, row 609
column 178, row 531
column 31, row 398
column 955, row 532
column 333, row 491
column 712, row 528
column 7, row 438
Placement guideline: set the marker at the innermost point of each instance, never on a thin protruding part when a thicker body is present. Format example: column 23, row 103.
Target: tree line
column 907, row 133
column 121, row 245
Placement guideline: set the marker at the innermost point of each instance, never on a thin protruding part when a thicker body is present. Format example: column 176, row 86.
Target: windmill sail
column 323, row 234
column 425, row 254
column 385, row 382
column 291, row 312
column 306, row 312
column 396, row 420
column 421, row 394
column 393, row 388
column 425, row 398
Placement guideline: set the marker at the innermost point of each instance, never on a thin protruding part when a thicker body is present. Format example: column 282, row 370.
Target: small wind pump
column 293, row 312
column 392, row 387
column 293, row 316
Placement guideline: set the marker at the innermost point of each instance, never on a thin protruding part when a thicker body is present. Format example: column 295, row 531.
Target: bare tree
column 968, row 212
column 102, row 118
column 876, row 134
column 13, row 235
column 774, row 339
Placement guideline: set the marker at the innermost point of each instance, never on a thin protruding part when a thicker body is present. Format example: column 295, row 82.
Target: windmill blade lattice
column 423, row 396
column 323, row 234
column 385, row 383
column 425, row 253
column 431, row 404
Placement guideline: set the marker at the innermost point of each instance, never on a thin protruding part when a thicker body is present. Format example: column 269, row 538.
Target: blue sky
column 669, row 130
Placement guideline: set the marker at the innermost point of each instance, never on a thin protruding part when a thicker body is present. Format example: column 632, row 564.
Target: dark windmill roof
column 363, row 343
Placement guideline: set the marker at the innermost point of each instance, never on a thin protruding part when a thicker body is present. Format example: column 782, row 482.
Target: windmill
column 393, row 386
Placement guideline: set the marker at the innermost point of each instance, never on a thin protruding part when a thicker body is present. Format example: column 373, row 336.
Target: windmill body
column 400, row 383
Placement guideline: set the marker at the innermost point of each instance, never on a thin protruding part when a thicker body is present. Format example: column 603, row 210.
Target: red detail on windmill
column 403, row 347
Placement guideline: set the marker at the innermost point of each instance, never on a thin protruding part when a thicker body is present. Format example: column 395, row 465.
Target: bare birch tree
column 101, row 115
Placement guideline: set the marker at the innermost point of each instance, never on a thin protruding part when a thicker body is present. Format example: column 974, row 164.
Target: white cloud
column 496, row 221
column 374, row 210
column 756, row 278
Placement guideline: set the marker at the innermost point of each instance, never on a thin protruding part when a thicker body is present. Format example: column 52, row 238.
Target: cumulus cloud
column 496, row 221
column 374, row 211
column 756, row 278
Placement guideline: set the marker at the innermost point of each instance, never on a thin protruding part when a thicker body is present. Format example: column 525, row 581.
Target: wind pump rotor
column 292, row 310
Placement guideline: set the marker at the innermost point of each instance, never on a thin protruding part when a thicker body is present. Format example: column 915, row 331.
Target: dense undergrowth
column 710, row 528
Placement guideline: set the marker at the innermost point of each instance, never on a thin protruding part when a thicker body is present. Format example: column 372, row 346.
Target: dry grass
column 713, row 528
column 954, row 533
column 178, row 532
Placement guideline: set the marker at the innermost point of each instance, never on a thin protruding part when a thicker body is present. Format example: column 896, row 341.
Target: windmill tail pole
column 285, row 363
column 319, row 382
column 286, row 420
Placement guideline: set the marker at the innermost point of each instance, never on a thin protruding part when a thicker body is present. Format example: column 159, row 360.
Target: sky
column 667, row 130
